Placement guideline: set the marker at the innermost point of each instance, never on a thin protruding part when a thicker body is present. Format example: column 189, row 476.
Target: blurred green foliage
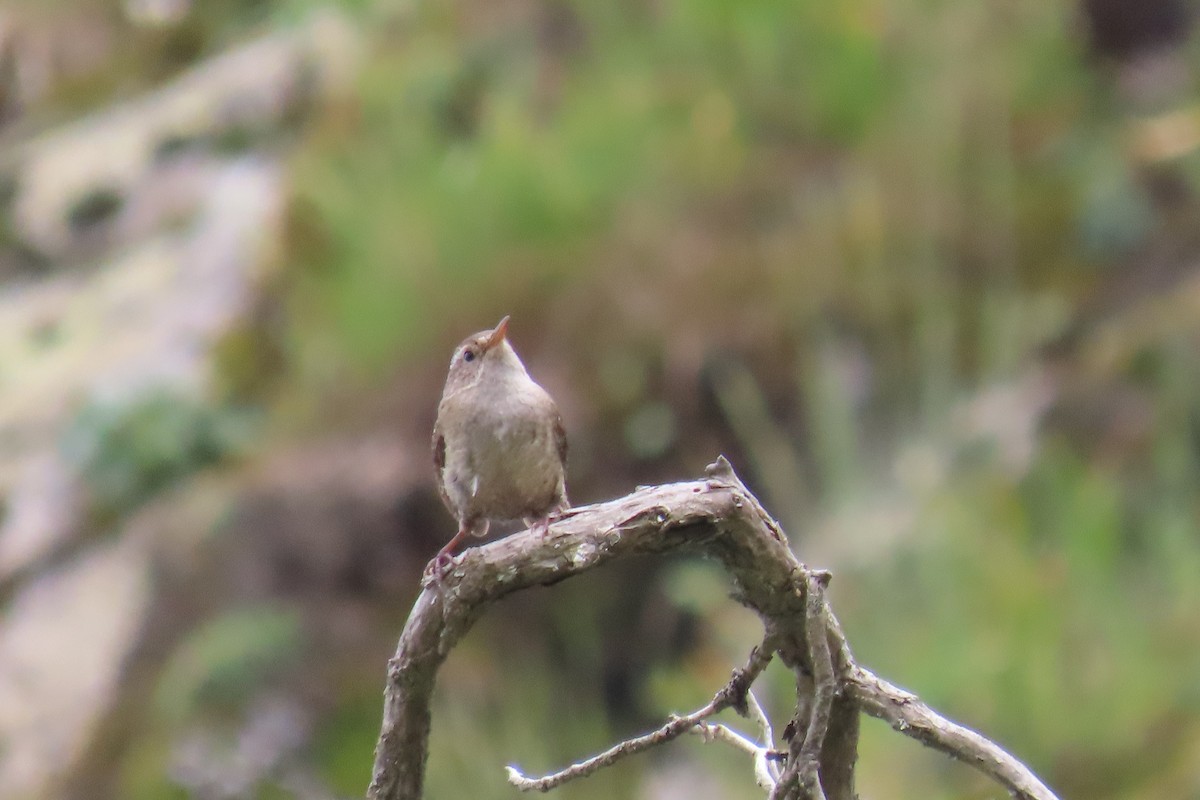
column 493, row 161
column 205, row 690
column 129, row 451
column 227, row 661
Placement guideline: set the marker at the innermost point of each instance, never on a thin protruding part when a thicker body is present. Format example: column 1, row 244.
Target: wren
column 498, row 444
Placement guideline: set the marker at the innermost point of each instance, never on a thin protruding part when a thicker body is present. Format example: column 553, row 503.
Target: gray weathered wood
column 718, row 518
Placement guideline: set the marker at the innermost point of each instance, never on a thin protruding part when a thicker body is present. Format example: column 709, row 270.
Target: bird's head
column 484, row 356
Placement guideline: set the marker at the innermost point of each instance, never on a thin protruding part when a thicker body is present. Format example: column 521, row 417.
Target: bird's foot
column 541, row 525
column 437, row 568
column 560, row 512
column 439, row 565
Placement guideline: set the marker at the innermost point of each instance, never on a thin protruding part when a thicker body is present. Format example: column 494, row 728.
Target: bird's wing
column 560, row 437
column 560, row 441
column 439, row 463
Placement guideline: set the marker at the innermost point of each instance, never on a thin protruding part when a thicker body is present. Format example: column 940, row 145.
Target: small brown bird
column 498, row 443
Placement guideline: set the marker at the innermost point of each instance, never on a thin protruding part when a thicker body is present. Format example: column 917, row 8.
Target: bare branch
column 802, row 777
column 907, row 714
column 718, row 518
column 756, row 715
column 840, row 752
column 732, row 694
column 824, row 688
column 764, row 764
column 765, row 776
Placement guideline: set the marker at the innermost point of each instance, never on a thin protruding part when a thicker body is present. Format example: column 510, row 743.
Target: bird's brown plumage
column 499, row 445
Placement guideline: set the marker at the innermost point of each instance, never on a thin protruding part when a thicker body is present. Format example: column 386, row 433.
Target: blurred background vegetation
column 928, row 272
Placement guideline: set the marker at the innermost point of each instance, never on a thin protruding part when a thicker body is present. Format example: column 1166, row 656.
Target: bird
column 499, row 446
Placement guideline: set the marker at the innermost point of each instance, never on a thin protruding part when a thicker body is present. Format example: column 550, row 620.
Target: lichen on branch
column 717, row 517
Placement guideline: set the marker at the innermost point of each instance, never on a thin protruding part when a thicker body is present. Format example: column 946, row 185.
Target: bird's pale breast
column 508, row 466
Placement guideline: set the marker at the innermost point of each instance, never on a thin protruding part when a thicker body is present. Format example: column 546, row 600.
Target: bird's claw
column 437, row 568
column 551, row 518
column 542, row 526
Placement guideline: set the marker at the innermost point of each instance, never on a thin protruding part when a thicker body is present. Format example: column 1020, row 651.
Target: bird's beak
column 497, row 335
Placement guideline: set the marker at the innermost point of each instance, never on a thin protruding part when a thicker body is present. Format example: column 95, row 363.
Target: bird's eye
column 468, row 355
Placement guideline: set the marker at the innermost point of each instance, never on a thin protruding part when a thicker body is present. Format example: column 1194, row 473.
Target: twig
column 907, row 714
column 732, row 694
column 765, row 771
column 843, row 660
column 759, row 718
column 765, row 764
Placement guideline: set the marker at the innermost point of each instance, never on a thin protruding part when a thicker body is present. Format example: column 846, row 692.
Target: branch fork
column 717, row 517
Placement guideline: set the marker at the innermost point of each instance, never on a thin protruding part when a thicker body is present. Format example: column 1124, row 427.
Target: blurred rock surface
column 141, row 236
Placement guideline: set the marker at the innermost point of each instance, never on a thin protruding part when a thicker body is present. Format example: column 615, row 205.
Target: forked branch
column 717, row 517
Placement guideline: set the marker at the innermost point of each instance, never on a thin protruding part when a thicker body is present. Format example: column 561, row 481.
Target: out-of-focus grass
column 1036, row 611
column 888, row 164
column 227, row 660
